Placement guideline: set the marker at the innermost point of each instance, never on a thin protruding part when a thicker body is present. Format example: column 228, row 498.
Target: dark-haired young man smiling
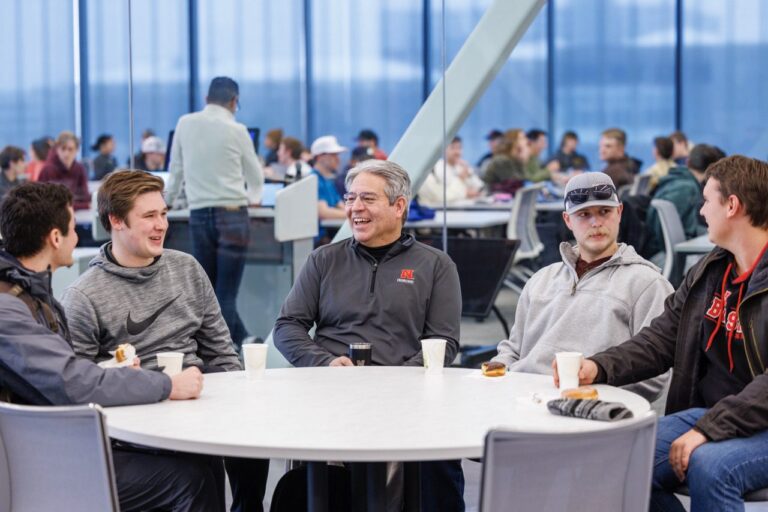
column 39, row 367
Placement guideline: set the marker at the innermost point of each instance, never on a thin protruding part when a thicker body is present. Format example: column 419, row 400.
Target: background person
column 662, row 155
column 38, row 150
column 213, row 155
column 12, row 166
column 506, row 171
column 63, row 168
column 567, row 156
column 105, row 162
column 152, row 155
column 618, row 165
column 461, row 181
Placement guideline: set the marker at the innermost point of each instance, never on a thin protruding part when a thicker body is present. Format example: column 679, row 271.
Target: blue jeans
column 719, row 473
column 220, row 242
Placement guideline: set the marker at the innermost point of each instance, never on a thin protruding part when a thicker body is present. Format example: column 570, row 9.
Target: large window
column 336, row 66
column 160, row 69
column 517, row 98
column 37, row 89
column 260, row 44
column 365, row 68
column 614, row 66
column 725, row 75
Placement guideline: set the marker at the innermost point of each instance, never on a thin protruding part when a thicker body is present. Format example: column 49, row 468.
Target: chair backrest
column 603, row 470
column 641, row 185
column 482, row 264
column 522, row 222
column 56, row 458
column 98, row 232
column 673, row 231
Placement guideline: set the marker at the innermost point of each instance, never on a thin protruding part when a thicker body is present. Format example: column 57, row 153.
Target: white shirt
column 457, row 187
column 290, row 171
column 213, row 155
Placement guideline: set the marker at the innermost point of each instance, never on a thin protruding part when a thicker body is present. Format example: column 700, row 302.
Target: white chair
column 674, row 233
column 604, row 470
column 55, row 458
column 522, row 226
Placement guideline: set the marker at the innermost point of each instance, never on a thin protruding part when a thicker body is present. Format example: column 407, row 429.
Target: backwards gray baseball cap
column 590, row 189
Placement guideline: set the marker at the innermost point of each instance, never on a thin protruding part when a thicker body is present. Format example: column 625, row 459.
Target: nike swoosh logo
column 135, row 328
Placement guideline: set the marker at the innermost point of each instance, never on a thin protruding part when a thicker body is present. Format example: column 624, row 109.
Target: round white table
column 354, row 414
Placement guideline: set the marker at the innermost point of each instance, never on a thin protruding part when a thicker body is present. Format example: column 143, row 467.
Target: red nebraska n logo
column 406, row 274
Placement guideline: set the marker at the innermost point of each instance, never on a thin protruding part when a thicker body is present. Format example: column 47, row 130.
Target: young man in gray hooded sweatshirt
column 157, row 299
column 600, row 294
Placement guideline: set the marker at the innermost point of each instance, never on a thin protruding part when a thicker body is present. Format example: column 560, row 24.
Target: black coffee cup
column 360, row 354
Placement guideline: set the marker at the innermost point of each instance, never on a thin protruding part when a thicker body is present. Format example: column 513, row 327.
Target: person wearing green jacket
column 682, row 186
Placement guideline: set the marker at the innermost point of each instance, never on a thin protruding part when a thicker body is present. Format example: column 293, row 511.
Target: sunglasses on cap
column 596, row 193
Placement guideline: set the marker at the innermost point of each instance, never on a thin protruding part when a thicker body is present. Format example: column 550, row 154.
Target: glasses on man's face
column 596, row 193
column 368, row 198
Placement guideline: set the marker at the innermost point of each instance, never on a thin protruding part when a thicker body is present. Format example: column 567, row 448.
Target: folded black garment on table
column 589, row 409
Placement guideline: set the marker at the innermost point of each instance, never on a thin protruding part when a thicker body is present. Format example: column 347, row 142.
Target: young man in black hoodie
column 37, row 223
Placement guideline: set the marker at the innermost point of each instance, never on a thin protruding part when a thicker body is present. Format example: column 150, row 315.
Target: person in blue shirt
column 325, row 153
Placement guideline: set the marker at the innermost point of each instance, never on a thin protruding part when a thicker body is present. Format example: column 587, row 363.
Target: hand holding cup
column 586, row 375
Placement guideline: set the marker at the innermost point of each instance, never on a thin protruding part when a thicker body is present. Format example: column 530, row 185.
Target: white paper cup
column 568, row 365
column 433, row 352
column 170, row 362
column 255, row 358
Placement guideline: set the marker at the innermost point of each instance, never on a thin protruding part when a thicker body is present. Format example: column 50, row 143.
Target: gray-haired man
column 371, row 288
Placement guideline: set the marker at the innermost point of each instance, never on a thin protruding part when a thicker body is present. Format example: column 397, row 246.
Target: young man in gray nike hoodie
column 159, row 300
column 600, row 294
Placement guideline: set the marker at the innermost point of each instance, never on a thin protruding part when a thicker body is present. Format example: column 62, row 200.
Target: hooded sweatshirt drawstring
column 721, row 318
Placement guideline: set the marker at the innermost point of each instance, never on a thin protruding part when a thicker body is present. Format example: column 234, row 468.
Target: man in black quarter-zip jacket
column 714, row 334
column 380, row 287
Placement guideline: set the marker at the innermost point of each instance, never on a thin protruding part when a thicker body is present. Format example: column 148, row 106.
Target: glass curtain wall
column 365, row 68
column 614, row 66
column 160, row 70
column 37, row 87
column 517, row 98
column 259, row 44
column 725, row 71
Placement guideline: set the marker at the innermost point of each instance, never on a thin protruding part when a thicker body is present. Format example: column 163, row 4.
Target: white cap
column 590, row 189
column 327, row 144
column 152, row 145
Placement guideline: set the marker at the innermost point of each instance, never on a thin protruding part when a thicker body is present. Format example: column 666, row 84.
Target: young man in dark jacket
column 714, row 333
column 382, row 287
column 39, row 367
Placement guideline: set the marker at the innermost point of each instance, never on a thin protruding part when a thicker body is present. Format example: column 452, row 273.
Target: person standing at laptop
column 213, row 155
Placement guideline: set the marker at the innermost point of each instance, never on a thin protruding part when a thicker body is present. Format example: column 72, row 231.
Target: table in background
column 699, row 245
column 454, row 220
column 483, row 204
column 353, row 414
